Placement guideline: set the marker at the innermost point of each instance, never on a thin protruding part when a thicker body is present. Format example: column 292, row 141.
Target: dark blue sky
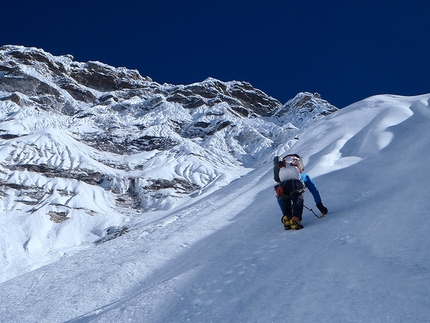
column 345, row 50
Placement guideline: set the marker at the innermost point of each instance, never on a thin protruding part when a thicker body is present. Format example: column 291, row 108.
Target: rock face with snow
column 88, row 140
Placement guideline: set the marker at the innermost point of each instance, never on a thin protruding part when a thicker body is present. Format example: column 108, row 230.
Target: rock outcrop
column 73, row 130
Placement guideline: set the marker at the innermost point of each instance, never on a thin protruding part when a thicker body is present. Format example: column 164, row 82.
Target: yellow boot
column 295, row 223
column 287, row 222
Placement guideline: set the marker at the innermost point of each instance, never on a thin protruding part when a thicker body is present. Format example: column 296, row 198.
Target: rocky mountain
column 70, row 130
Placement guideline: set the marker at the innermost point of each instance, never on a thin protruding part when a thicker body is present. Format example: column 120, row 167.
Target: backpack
column 289, row 167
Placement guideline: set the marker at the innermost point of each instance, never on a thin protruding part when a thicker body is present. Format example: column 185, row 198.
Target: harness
column 280, row 194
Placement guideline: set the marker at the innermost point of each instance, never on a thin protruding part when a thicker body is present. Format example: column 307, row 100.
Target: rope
column 319, row 217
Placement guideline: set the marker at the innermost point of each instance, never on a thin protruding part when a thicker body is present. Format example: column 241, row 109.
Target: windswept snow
column 224, row 257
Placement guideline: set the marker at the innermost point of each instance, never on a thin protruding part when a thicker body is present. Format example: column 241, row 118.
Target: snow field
column 224, row 256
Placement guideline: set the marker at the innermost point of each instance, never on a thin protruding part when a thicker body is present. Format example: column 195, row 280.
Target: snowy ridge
column 360, row 138
column 226, row 258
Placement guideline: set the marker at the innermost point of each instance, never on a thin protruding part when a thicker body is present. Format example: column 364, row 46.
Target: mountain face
column 83, row 140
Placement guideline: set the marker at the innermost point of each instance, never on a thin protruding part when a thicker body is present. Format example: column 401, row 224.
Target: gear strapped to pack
column 295, row 161
column 292, row 167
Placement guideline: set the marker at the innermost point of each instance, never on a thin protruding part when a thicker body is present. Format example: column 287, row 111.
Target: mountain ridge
column 72, row 129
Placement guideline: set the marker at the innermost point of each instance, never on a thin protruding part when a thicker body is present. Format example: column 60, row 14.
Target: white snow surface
column 225, row 257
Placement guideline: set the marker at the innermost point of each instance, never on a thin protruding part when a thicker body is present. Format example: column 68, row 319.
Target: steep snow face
column 87, row 147
column 226, row 258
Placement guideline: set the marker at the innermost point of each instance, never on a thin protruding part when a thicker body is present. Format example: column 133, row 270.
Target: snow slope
column 226, row 258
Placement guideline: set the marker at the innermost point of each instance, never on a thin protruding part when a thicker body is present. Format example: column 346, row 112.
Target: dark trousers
column 291, row 202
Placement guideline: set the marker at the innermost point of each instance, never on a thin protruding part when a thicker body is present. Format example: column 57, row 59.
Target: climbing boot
column 295, row 224
column 286, row 222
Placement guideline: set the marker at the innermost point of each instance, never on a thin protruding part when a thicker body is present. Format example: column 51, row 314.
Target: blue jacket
column 307, row 180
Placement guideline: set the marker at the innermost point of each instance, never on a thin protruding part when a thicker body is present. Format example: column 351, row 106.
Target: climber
column 292, row 182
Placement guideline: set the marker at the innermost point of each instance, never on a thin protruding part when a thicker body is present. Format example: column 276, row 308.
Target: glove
column 322, row 208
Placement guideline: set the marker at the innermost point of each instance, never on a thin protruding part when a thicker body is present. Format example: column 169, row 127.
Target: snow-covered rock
column 90, row 141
